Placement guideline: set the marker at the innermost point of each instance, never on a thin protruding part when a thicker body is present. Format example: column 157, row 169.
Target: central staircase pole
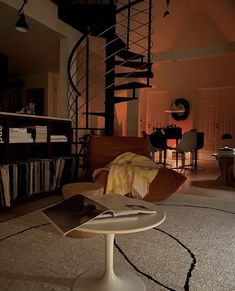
column 109, row 81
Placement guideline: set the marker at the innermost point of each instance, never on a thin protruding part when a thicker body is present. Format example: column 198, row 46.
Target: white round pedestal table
column 108, row 280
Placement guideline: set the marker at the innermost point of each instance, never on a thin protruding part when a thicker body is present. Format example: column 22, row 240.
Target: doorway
column 216, row 107
column 151, row 110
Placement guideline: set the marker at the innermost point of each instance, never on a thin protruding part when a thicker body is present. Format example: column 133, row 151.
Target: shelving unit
column 46, row 164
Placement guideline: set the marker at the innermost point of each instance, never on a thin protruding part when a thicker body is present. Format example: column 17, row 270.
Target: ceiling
column 206, row 23
column 36, row 51
column 194, row 24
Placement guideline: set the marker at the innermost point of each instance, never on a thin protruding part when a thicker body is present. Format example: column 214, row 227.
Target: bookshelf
column 35, row 157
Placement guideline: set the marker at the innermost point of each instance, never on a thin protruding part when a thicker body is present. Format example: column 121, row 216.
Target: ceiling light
column 21, row 24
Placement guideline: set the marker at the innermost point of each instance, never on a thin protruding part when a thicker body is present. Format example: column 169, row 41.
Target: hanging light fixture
column 21, row 24
column 225, row 137
column 175, row 109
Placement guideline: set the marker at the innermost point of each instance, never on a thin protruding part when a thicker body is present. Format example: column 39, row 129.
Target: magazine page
column 73, row 212
column 77, row 210
column 121, row 205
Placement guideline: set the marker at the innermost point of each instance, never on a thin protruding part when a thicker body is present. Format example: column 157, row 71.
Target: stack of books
column 19, row 135
column 58, row 138
column 41, row 133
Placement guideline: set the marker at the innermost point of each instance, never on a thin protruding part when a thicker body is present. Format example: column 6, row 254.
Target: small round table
column 96, row 280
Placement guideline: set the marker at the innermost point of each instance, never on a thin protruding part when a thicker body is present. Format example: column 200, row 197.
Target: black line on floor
column 193, row 264
column 24, row 230
column 138, row 270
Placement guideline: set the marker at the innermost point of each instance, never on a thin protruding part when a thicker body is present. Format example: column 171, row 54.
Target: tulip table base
column 110, row 279
column 94, row 281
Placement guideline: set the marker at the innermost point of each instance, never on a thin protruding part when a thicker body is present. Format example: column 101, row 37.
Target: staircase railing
column 86, row 65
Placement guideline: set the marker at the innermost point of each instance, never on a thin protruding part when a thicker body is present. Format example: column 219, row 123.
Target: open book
column 80, row 209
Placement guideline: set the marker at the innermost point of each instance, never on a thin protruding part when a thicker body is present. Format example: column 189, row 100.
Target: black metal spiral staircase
column 109, row 62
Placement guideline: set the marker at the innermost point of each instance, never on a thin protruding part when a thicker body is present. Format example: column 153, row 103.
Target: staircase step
column 123, row 50
column 123, row 99
column 134, row 64
column 143, row 74
column 119, row 43
column 128, row 55
column 132, row 85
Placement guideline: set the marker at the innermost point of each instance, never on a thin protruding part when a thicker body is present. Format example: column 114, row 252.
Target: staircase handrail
column 85, row 35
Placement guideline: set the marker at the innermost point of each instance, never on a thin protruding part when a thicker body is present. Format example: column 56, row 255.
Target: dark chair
column 157, row 144
column 199, row 145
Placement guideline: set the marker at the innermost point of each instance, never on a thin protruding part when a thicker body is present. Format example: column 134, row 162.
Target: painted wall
column 193, row 48
column 45, row 12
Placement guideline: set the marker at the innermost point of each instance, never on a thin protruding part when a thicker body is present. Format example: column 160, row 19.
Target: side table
column 227, row 169
column 96, row 280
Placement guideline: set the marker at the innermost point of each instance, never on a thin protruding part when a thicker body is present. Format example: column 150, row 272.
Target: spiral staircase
column 108, row 64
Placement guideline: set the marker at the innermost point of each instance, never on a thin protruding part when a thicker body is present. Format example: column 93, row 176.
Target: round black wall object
column 182, row 104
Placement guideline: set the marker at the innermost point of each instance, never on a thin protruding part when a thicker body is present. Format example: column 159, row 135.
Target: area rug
column 210, row 184
column 194, row 249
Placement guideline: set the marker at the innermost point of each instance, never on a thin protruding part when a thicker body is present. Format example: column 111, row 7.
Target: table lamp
column 225, row 137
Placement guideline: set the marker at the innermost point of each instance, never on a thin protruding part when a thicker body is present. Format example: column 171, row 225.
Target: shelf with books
column 27, row 148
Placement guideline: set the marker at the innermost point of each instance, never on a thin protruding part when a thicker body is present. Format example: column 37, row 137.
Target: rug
column 210, row 184
column 194, row 249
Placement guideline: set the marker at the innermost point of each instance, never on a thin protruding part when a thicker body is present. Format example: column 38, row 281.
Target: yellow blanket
column 130, row 173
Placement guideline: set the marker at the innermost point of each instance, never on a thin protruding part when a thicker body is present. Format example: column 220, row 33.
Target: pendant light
column 21, row 24
column 175, row 109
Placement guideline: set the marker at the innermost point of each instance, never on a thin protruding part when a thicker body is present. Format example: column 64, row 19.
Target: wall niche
column 10, row 88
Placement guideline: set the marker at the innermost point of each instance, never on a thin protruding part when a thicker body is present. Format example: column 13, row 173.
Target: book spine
column 34, row 176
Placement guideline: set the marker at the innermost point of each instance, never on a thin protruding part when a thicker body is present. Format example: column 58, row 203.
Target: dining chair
column 187, row 144
column 156, row 145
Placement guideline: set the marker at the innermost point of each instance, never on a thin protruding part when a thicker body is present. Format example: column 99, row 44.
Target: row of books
column 33, row 134
column 58, row 138
column 28, row 134
column 17, row 135
column 29, row 177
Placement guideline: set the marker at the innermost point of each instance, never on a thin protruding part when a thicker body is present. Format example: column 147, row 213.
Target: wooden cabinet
column 35, row 156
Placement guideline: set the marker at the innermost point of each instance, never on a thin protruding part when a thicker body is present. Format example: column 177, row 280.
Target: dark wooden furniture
column 23, row 152
column 227, row 169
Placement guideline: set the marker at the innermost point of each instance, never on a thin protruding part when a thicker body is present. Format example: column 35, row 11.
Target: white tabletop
column 143, row 222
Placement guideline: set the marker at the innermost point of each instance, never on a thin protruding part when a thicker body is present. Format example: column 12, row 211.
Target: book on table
column 80, row 209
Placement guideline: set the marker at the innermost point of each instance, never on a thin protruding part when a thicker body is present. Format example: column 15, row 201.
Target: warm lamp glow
column 175, row 109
